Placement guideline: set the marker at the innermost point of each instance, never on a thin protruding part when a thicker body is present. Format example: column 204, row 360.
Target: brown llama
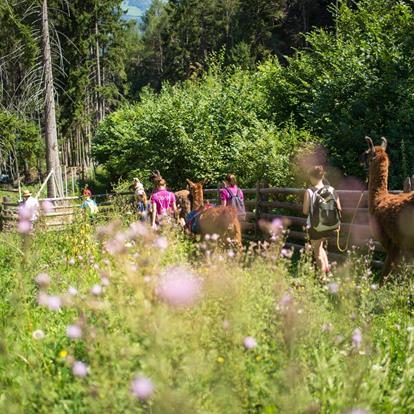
column 391, row 215
column 221, row 220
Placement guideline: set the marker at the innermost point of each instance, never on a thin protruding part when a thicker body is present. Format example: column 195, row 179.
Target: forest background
column 197, row 89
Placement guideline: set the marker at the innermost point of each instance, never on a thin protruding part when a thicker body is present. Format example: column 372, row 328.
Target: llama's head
column 374, row 153
column 196, row 192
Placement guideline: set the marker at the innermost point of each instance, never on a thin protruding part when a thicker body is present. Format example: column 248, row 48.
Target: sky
column 136, row 8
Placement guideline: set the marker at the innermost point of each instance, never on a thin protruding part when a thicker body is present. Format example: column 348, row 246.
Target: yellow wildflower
column 63, row 353
column 220, row 360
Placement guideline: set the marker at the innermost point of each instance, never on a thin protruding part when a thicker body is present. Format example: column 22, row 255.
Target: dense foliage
column 178, row 35
column 353, row 82
column 20, row 144
column 263, row 336
column 202, row 128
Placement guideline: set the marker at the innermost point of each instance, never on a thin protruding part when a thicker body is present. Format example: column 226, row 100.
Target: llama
column 391, row 215
column 221, row 220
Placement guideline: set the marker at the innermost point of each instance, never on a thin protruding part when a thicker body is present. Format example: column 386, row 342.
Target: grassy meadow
column 116, row 318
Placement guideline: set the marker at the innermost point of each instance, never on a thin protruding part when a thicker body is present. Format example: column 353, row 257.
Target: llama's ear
column 191, row 184
column 384, row 143
column 370, row 144
column 205, row 181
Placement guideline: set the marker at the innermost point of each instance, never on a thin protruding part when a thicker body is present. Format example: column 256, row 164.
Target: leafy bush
column 352, row 83
column 201, row 128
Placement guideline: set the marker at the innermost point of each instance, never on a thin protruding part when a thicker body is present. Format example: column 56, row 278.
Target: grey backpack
column 324, row 211
column 237, row 202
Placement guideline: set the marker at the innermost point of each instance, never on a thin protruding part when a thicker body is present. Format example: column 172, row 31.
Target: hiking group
column 321, row 206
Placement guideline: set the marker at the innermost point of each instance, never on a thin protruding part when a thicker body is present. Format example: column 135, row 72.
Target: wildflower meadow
column 118, row 318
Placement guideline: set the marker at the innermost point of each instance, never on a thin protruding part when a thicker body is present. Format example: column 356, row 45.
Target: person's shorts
column 318, row 235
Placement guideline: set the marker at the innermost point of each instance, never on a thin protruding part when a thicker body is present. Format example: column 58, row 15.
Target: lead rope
column 342, row 250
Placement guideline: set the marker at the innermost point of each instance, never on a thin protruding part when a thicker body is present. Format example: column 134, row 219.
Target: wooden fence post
column 257, row 212
column 3, row 209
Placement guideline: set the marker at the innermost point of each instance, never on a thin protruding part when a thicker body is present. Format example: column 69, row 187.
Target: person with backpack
column 163, row 203
column 231, row 195
column 323, row 210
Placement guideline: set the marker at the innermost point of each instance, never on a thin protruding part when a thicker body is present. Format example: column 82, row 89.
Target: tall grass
column 203, row 330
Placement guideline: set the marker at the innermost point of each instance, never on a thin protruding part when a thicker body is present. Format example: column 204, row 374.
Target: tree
column 55, row 185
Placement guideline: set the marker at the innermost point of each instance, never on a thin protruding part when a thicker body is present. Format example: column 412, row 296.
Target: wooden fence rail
column 261, row 204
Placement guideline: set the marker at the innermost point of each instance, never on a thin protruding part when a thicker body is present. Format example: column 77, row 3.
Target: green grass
column 304, row 361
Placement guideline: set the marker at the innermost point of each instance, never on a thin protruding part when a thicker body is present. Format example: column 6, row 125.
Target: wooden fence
column 261, row 204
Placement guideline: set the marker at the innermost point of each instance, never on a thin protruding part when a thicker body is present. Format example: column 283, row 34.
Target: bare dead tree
column 54, row 188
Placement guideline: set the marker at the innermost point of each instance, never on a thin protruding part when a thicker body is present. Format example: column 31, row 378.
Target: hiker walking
column 141, row 200
column 163, row 203
column 321, row 205
column 89, row 205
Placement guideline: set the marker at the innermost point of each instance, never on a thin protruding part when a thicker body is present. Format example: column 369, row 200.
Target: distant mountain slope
column 136, row 8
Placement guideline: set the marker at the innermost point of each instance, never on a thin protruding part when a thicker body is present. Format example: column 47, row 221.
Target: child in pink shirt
column 231, row 195
column 163, row 203
column 230, row 190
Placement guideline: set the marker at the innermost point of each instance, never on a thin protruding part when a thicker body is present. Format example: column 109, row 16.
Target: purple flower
column 38, row 334
column 47, row 207
column 53, row 303
column 80, row 369
column 357, row 411
column 161, row 243
column 80, row 258
column 179, row 287
column 137, row 229
column 287, row 253
column 333, row 288
column 71, row 261
column 117, row 244
column 74, row 332
column 249, row 342
column 27, row 213
column 357, row 338
column 104, row 281
column 215, row 237
column 96, row 290
column 142, row 388
column 276, row 226
column 43, row 279
column 285, row 301
column 72, row 291
column 24, row 226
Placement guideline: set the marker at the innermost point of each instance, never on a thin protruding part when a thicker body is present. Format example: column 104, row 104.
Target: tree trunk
column 99, row 109
column 52, row 150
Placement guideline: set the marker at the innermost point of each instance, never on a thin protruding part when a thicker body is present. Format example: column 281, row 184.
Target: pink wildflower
column 72, row 291
column 43, row 279
column 47, row 207
column 179, row 287
column 333, row 288
column 53, row 303
column 249, row 342
column 24, row 226
column 161, row 243
column 96, row 290
column 74, row 332
column 80, row 369
column 357, row 338
column 285, row 301
column 142, row 388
